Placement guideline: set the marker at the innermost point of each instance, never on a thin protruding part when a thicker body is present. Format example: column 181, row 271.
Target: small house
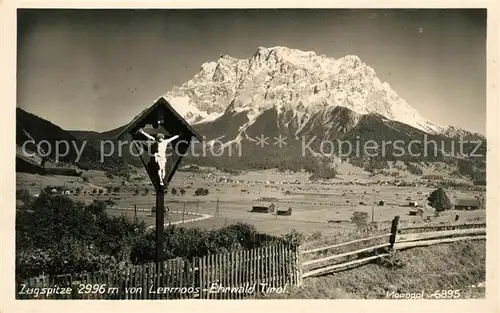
column 263, row 209
column 418, row 212
column 284, row 212
column 413, row 203
column 467, row 204
column 268, row 199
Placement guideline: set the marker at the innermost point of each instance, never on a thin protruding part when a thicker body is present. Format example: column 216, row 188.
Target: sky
column 97, row 69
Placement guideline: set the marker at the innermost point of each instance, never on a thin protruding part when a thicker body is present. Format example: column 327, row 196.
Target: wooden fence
column 361, row 251
column 234, row 275
column 245, row 273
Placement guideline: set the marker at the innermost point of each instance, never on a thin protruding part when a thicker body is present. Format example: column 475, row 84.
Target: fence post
column 394, row 231
column 183, row 211
column 299, row 266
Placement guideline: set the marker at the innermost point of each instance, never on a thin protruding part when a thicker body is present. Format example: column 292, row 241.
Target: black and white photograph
column 237, row 154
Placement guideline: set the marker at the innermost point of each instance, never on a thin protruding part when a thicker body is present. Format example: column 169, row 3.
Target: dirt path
column 201, row 217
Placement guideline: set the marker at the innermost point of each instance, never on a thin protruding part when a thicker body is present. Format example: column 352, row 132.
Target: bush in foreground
column 194, row 242
column 57, row 235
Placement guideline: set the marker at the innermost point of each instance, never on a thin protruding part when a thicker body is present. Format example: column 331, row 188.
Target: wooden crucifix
column 162, row 126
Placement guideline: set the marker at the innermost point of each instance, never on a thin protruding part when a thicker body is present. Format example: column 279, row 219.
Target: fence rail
column 399, row 238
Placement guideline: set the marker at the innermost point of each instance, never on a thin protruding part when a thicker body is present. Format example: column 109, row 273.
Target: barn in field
column 268, row 199
column 467, row 204
column 30, row 162
column 284, row 212
column 417, row 212
column 263, row 209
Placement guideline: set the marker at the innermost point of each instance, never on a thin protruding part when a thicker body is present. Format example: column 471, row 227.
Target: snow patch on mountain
column 457, row 132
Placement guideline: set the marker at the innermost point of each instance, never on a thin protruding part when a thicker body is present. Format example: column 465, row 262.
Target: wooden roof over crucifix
column 174, row 123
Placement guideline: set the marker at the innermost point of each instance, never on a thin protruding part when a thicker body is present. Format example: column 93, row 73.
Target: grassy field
column 460, row 265
column 316, row 207
column 149, row 217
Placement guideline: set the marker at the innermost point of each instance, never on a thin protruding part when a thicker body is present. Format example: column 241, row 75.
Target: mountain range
column 300, row 86
column 283, row 92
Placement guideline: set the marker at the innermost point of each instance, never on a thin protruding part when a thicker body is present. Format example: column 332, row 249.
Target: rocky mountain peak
column 290, row 79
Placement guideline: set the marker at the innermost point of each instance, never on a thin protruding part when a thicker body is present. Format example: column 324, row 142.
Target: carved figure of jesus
column 161, row 154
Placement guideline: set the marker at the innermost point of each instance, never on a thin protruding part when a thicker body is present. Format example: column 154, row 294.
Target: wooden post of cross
column 162, row 118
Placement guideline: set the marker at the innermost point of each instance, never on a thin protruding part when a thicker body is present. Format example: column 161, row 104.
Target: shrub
column 439, row 200
column 57, row 235
column 72, row 256
column 97, row 207
column 413, row 169
column 201, row 192
column 143, row 251
column 23, row 195
column 394, row 260
column 375, row 164
column 294, row 238
column 194, row 242
column 109, row 202
column 359, row 218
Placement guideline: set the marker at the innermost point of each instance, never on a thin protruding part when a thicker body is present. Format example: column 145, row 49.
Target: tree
column 174, row 191
column 359, row 219
column 116, row 189
column 146, row 191
column 101, row 191
column 201, row 192
column 182, row 191
column 414, row 169
column 97, row 207
column 23, row 195
column 136, row 192
column 94, row 191
column 439, row 200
